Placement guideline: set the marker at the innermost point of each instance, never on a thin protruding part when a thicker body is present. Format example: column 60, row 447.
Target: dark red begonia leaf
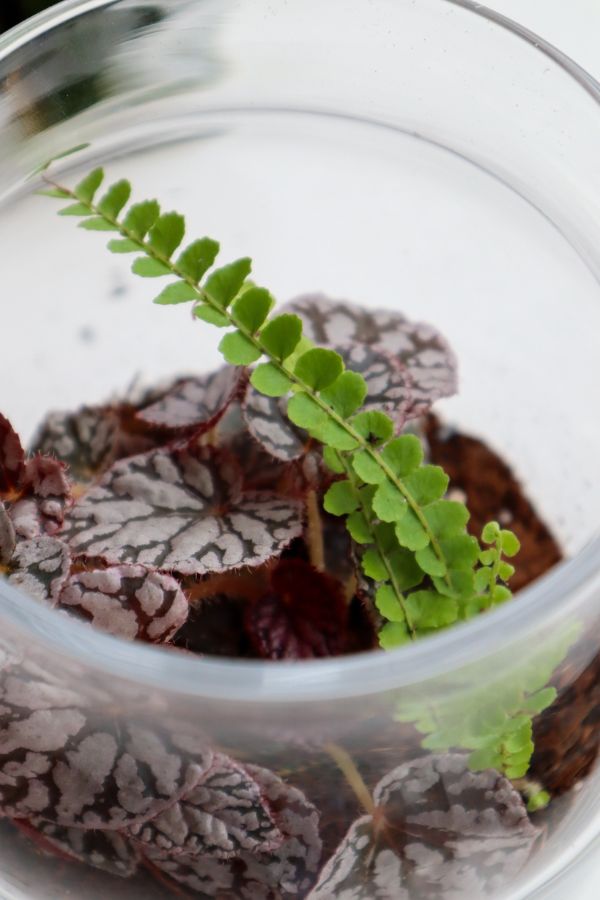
column 130, row 602
column 12, row 460
column 183, row 510
column 427, row 356
column 196, row 402
column 303, row 616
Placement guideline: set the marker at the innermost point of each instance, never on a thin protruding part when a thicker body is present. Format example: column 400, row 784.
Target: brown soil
column 492, row 492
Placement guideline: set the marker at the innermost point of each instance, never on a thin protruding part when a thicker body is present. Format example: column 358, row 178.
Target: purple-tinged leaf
column 8, row 537
column 282, row 874
column 196, row 402
column 12, row 460
column 389, row 385
column 222, row 816
column 106, row 850
column 83, row 440
column 46, row 481
column 267, row 422
column 430, row 362
column 40, row 568
column 181, row 510
column 130, row 602
column 58, row 763
column 304, row 616
column 441, row 831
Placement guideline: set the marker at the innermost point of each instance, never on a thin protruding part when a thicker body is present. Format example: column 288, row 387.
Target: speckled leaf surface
column 130, row 602
column 428, row 358
column 45, row 496
column 267, row 422
column 389, row 385
column 84, row 440
column 12, row 459
column 181, row 510
column 442, row 833
column 106, row 850
column 222, row 816
column 196, row 402
column 59, row 764
column 40, row 567
column 282, row 874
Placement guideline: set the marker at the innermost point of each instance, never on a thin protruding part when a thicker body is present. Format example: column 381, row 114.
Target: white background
column 574, row 27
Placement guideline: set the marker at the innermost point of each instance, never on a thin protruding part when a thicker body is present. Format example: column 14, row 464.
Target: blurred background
column 14, row 11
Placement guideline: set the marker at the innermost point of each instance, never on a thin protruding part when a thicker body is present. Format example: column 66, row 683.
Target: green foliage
column 491, row 713
column 413, row 543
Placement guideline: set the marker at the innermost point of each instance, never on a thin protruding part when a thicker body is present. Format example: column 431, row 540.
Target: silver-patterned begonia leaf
column 222, row 816
column 427, row 356
column 196, row 403
column 389, row 385
column 61, row 764
column 106, row 850
column 45, row 497
column 442, row 833
column 283, row 873
column 131, row 602
column 8, row 537
column 181, row 510
column 84, row 440
column 40, row 568
column 267, row 422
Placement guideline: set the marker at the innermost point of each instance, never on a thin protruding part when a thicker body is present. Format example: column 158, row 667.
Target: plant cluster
column 337, row 533
column 414, row 544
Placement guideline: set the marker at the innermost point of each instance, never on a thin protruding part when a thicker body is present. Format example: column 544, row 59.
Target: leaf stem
column 347, row 766
column 314, row 532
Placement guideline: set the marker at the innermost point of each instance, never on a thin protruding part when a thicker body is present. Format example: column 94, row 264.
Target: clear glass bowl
column 431, row 157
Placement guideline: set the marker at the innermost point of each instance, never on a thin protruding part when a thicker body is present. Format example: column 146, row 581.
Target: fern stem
column 366, row 511
column 254, row 339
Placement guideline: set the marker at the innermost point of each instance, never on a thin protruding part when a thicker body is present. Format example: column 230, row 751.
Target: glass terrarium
column 432, row 159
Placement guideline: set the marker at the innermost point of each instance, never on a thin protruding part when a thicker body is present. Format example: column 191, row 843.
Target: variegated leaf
column 389, row 385
column 130, row 602
column 428, row 358
column 282, row 874
column 106, row 850
column 181, row 510
column 61, row 762
column 40, row 567
column 442, row 832
column 222, row 816
column 8, row 538
column 267, row 422
column 12, row 459
column 83, row 440
column 196, row 403
column 45, row 495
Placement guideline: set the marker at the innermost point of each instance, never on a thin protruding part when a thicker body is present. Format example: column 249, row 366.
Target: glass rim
column 256, row 681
